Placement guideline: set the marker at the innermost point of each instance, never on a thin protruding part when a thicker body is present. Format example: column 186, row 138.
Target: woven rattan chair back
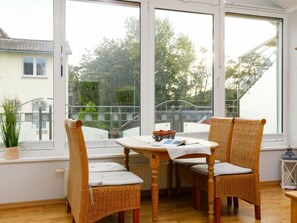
column 245, row 152
column 220, row 131
column 246, row 143
column 90, row 204
column 77, row 192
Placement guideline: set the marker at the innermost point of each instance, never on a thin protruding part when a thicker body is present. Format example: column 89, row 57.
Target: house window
column 28, row 66
column 183, row 70
column 253, row 60
column 27, row 51
column 131, row 67
column 34, row 66
column 104, row 69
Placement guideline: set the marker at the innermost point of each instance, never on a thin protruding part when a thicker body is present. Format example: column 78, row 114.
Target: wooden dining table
column 155, row 154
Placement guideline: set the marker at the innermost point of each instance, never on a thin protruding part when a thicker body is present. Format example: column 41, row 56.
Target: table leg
column 170, row 173
column 293, row 196
column 154, row 164
column 126, row 158
column 210, row 162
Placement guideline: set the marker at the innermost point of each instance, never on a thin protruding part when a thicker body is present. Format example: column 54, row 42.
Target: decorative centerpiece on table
column 10, row 128
column 163, row 134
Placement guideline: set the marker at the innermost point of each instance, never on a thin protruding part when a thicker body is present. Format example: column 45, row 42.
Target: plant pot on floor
column 11, row 153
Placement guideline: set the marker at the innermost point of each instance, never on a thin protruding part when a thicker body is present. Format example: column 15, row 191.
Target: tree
column 242, row 75
column 115, row 64
column 174, row 55
column 201, row 93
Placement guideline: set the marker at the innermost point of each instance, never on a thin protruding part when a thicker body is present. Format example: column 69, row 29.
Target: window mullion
column 219, row 62
column 59, row 80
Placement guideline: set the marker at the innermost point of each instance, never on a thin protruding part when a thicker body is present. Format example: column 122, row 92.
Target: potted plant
column 10, row 128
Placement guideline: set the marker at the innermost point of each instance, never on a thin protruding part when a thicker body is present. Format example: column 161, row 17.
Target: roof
column 3, row 34
column 27, row 45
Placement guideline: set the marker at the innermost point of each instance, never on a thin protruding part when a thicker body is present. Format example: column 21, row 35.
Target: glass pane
column 40, row 66
column 104, row 67
column 183, row 70
column 253, row 69
column 26, row 34
column 28, row 66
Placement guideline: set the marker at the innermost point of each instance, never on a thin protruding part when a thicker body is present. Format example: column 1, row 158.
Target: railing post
column 40, row 123
column 50, row 122
column 172, row 120
column 181, row 126
column 120, row 117
column 110, row 120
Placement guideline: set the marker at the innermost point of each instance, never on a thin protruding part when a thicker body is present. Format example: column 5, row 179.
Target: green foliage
column 110, row 74
column 242, row 75
column 10, row 126
column 125, row 95
column 174, row 55
column 90, row 109
column 115, row 64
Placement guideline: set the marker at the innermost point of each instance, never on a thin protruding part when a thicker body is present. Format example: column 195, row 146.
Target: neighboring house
column 26, row 72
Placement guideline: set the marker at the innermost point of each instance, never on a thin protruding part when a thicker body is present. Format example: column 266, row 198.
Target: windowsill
column 61, row 158
column 34, row 159
column 53, row 158
column 34, row 76
column 273, row 148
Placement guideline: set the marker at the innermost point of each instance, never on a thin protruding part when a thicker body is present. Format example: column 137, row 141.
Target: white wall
column 25, row 88
column 31, row 181
column 22, row 180
column 292, row 70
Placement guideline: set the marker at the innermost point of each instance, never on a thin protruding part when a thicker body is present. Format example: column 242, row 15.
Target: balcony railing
column 113, row 120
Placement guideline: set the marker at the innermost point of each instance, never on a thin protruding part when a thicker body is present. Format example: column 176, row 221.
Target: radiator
column 144, row 172
column 141, row 170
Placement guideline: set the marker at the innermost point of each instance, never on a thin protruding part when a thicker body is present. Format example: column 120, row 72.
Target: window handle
column 61, row 58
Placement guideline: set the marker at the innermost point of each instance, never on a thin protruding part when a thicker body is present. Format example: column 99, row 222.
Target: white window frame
column 147, row 7
column 273, row 141
column 197, row 6
column 34, row 62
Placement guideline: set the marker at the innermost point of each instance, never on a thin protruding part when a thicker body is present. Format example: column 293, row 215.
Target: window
column 28, row 66
column 34, row 66
column 40, row 67
column 183, row 70
column 131, row 67
column 254, row 69
column 28, row 51
column 104, row 69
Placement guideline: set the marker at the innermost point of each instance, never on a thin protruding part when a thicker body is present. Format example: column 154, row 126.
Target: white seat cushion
column 221, row 169
column 105, row 166
column 113, row 178
column 192, row 161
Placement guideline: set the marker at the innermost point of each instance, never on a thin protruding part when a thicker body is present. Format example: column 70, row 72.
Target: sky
column 27, row 19
column 87, row 24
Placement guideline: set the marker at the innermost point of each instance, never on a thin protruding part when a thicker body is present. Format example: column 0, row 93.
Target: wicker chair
column 99, row 166
column 95, row 195
column 94, row 166
column 220, row 131
column 238, row 178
